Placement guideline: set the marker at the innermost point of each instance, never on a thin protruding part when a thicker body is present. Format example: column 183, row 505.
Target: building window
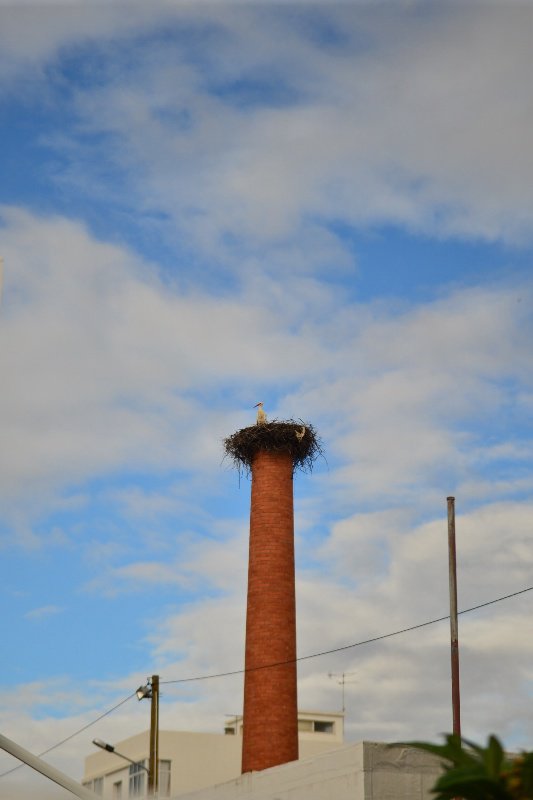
column 315, row 726
column 117, row 790
column 229, row 731
column 164, row 779
column 137, row 779
column 98, row 786
column 323, row 727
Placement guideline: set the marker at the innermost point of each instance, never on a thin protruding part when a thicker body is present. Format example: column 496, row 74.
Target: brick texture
column 270, row 734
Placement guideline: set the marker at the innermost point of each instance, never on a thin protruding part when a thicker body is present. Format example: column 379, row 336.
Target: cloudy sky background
column 325, row 207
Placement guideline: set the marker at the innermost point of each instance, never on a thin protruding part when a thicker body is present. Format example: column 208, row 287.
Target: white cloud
column 417, row 119
column 105, row 366
column 212, row 559
column 99, row 361
column 43, row 611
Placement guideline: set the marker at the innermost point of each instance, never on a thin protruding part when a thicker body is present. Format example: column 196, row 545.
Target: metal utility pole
column 153, row 764
column 45, row 769
column 454, row 630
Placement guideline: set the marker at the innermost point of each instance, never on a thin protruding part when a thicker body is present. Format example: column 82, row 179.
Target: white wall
column 363, row 771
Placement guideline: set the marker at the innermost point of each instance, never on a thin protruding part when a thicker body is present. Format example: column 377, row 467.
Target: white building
column 192, row 761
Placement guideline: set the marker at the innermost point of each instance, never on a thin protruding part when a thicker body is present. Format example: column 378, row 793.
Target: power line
column 279, row 664
column 72, row 735
column 347, row 646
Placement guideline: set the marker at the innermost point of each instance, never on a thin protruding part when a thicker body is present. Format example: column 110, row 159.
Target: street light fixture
column 104, row 745
column 144, row 691
column 110, row 749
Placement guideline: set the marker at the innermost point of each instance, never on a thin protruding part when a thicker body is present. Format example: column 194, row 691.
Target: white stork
column 301, row 433
column 261, row 416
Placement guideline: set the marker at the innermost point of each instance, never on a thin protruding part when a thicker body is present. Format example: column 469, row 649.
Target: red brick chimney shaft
column 270, row 734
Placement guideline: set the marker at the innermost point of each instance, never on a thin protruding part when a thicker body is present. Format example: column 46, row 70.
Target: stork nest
column 275, row 437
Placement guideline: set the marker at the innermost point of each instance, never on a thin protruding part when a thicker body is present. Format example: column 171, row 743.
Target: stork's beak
column 258, row 404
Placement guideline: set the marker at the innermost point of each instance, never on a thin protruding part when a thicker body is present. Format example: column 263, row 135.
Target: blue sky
column 326, row 207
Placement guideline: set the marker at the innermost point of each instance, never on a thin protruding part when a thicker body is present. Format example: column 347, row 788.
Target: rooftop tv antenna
column 341, row 680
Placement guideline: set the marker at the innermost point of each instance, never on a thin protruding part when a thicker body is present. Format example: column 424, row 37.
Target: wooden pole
column 153, row 764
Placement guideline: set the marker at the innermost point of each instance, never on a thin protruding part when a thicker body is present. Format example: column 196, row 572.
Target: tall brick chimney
column 270, row 732
column 271, row 452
